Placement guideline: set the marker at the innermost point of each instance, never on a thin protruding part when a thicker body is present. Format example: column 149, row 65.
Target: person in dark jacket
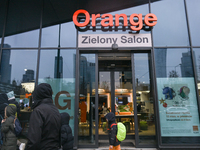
column 11, row 100
column 67, row 139
column 7, row 128
column 45, row 121
column 112, row 127
column 3, row 104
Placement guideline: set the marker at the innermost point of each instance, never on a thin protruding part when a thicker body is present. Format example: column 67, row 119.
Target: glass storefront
column 178, row 109
column 61, row 77
column 154, row 91
column 172, row 24
column 87, row 120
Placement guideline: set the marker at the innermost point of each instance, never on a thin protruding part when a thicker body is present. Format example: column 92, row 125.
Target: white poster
column 178, row 107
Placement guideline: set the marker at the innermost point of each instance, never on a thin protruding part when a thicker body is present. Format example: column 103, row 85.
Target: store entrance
column 121, row 83
column 115, row 93
column 118, row 74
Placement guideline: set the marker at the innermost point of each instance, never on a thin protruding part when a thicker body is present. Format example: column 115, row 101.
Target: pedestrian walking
column 11, row 100
column 112, row 132
column 67, row 139
column 3, row 104
column 45, row 121
column 7, row 128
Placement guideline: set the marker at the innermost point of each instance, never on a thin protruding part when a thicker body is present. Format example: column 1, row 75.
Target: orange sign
column 107, row 20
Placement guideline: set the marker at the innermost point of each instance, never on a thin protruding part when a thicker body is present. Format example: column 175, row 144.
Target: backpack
column 121, row 131
column 17, row 126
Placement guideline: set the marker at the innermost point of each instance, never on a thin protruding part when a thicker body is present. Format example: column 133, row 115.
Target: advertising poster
column 63, row 95
column 178, row 108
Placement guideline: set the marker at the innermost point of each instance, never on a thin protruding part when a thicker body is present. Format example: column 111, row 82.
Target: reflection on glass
column 86, row 125
column 168, row 26
column 26, row 39
column 62, row 80
column 17, row 74
column 62, row 35
column 177, row 100
column 173, row 63
column 144, row 99
column 193, row 10
column 196, row 52
column 104, row 105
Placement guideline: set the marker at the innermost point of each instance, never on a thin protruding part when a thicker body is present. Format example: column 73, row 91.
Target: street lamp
column 177, row 66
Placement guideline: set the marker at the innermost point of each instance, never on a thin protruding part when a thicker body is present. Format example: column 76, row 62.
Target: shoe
column 22, row 146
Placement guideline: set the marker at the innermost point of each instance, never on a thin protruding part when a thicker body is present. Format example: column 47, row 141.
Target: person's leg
column 117, row 147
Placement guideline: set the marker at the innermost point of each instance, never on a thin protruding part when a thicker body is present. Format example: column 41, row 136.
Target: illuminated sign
column 106, row 40
column 107, row 20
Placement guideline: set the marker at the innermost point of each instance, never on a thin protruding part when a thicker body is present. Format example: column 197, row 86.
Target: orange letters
column 107, row 20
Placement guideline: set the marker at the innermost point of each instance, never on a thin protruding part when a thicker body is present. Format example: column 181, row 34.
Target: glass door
column 143, row 100
column 124, row 105
column 115, row 94
column 88, row 98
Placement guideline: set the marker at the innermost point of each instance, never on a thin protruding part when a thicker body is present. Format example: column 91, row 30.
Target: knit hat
column 11, row 95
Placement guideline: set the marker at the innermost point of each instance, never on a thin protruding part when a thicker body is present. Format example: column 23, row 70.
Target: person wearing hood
column 112, row 131
column 67, row 139
column 7, row 128
column 11, row 100
column 45, row 121
column 3, row 104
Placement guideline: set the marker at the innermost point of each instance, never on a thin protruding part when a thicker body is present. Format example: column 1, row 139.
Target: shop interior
column 115, row 76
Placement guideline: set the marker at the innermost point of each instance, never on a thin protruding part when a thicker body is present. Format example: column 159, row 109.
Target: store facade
column 142, row 65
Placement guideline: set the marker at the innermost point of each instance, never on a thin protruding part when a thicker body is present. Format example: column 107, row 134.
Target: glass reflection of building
column 87, row 71
column 186, row 65
column 5, row 70
column 28, row 76
column 58, row 67
column 160, row 62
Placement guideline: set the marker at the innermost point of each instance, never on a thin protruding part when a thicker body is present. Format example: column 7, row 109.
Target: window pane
column 62, row 80
column 196, row 52
column 86, row 125
column 193, row 10
column 144, row 99
column 27, row 39
column 171, row 27
column 178, row 110
column 18, row 71
column 23, row 32
column 51, row 35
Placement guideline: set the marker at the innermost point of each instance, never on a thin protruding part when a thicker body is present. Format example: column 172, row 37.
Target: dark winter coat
column 45, row 121
column 13, row 101
column 112, row 129
column 7, row 128
column 3, row 104
column 67, row 139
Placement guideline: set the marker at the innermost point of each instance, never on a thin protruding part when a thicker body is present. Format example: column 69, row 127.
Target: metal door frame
column 96, row 145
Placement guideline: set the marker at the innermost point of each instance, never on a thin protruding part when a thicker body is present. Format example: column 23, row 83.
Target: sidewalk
column 122, row 148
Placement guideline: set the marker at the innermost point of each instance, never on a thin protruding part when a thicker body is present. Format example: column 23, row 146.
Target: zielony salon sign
column 106, row 40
